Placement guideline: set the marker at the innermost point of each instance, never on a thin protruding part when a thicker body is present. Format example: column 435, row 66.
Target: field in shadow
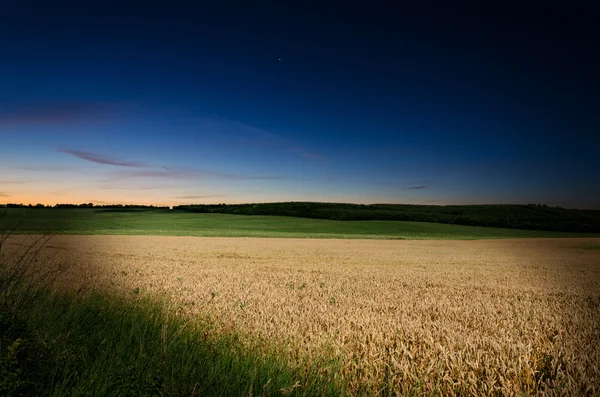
column 86, row 342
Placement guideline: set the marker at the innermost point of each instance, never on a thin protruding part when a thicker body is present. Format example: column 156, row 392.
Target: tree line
column 530, row 217
column 512, row 216
column 87, row 205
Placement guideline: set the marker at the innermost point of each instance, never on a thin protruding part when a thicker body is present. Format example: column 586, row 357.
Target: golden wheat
column 506, row 317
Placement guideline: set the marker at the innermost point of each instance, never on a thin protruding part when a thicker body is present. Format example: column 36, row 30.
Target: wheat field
column 488, row 317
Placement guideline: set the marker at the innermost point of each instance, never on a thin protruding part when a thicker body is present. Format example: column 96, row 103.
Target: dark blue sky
column 179, row 102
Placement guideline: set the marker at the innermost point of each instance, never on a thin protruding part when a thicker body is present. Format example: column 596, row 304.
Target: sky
column 181, row 102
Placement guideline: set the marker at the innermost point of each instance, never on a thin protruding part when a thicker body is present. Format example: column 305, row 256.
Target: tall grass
column 106, row 346
column 96, row 344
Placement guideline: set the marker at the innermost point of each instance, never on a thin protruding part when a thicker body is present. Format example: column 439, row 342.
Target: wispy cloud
column 186, row 174
column 201, row 197
column 403, row 185
column 134, row 188
column 102, row 202
column 3, row 194
column 158, row 172
column 331, row 179
column 100, row 159
column 44, row 169
column 305, row 153
column 12, row 182
column 254, row 136
column 60, row 192
column 55, row 113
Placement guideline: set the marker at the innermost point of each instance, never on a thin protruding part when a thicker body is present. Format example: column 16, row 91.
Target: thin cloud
column 9, row 182
column 133, row 188
column 186, row 174
column 255, row 136
column 55, row 113
column 3, row 194
column 331, row 179
column 99, row 159
column 48, row 169
column 200, row 197
column 416, row 187
column 101, row 202
column 61, row 192
column 306, row 153
column 116, row 202
column 160, row 172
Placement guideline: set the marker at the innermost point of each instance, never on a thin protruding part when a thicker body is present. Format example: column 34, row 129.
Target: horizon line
column 171, row 206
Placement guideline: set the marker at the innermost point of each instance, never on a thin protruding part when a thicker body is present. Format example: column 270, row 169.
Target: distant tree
column 65, row 206
column 529, row 216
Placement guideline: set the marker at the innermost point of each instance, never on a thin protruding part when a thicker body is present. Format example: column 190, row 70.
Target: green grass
column 590, row 247
column 116, row 346
column 176, row 223
column 131, row 344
